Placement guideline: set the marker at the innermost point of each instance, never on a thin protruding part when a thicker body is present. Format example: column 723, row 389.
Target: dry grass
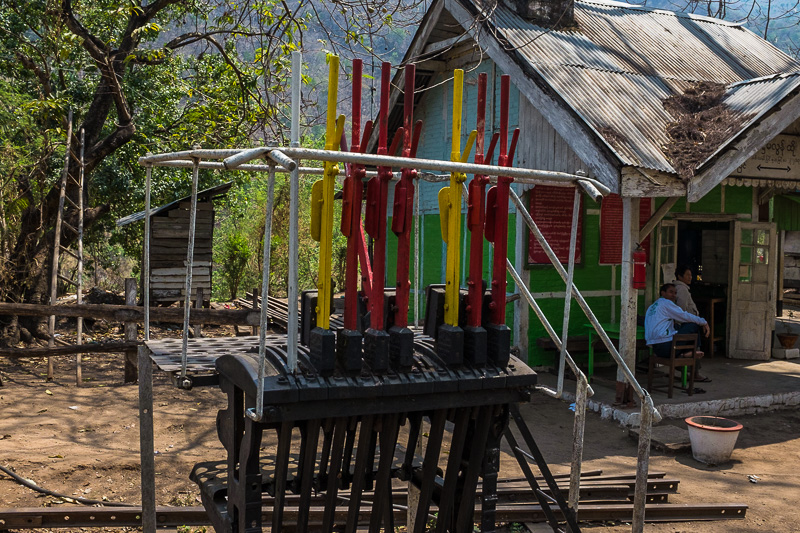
column 702, row 123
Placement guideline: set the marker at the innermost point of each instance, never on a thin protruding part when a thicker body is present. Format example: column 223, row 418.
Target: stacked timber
column 169, row 239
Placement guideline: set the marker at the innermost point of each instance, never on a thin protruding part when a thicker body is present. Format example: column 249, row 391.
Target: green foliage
column 145, row 76
column 242, row 212
column 190, row 529
column 234, row 257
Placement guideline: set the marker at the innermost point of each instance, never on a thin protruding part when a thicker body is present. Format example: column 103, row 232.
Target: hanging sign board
column 778, row 159
column 611, row 228
column 551, row 209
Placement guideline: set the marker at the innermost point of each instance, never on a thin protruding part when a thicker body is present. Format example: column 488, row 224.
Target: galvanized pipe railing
column 648, row 411
column 573, row 237
column 294, row 215
column 521, row 210
column 184, row 381
column 146, row 265
column 262, row 330
column 523, row 175
column 582, row 393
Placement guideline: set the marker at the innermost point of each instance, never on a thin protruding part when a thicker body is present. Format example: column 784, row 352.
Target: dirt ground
column 83, row 442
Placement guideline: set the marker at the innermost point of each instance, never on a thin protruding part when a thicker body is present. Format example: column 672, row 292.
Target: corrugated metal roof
column 752, row 98
column 620, row 63
column 207, row 194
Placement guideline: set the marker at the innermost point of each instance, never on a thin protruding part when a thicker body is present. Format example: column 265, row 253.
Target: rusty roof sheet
column 207, row 194
column 620, row 63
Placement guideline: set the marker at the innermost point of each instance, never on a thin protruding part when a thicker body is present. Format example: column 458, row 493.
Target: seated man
column 659, row 325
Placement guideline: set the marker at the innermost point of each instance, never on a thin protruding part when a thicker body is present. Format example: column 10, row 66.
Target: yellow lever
column 322, row 198
column 451, row 225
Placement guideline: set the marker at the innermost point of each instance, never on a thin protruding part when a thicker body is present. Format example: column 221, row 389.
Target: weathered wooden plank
column 178, row 271
column 204, row 255
column 178, row 224
column 205, row 242
column 99, row 347
column 178, row 253
column 180, row 284
column 125, row 313
column 182, row 217
column 169, row 262
column 650, row 183
column 201, row 206
column 180, row 277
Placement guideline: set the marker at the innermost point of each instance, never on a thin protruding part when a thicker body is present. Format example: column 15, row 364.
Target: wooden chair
column 678, row 357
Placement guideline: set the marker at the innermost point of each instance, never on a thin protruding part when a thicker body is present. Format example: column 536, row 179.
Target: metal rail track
column 602, row 498
column 72, row 517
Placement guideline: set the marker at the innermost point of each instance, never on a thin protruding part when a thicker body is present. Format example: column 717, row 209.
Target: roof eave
column 415, row 48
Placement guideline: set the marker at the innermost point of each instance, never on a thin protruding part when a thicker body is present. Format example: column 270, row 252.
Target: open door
column 751, row 299
column 666, row 254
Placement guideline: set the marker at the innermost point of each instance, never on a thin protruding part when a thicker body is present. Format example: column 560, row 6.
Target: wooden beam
column 662, row 210
column 130, row 313
column 736, row 153
column 765, row 195
column 641, row 182
column 439, row 46
column 100, row 347
column 434, row 65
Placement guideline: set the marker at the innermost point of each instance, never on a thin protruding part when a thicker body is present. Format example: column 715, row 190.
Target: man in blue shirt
column 659, row 325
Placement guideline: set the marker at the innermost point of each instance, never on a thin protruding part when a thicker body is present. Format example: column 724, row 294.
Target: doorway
column 703, row 246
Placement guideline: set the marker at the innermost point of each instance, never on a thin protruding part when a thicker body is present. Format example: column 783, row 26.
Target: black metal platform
column 344, row 431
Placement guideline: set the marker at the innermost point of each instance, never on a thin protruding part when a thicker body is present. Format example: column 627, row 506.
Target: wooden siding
column 169, row 240
column 541, row 147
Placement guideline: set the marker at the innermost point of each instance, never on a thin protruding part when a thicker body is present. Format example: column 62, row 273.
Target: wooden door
column 751, row 295
column 666, row 254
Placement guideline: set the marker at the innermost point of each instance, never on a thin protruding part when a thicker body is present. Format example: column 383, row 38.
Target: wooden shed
column 169, row 239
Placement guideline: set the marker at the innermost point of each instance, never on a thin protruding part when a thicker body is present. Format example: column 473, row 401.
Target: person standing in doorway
column 683, row 278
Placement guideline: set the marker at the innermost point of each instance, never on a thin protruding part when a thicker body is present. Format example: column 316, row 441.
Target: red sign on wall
column 551, row 209
column 611, row 228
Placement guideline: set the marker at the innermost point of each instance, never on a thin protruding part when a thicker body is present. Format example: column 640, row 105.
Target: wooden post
column 130, row 334
column 146, row 442
column 254, row 329
column 521, row 309
column 780, row 276
column 628, row 295
column 198, row 303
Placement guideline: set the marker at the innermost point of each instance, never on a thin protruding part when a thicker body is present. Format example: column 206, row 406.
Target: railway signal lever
column 349, row 339
column 376, row 339
column 322, row 341
column 450, row 337
column 496, row 231
column 475, row 338
column 401, row 338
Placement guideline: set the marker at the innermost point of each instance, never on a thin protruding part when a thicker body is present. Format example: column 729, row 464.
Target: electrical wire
column 86, row 501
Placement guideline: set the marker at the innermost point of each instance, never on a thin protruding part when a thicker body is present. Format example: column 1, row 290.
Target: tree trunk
column 30, row 259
